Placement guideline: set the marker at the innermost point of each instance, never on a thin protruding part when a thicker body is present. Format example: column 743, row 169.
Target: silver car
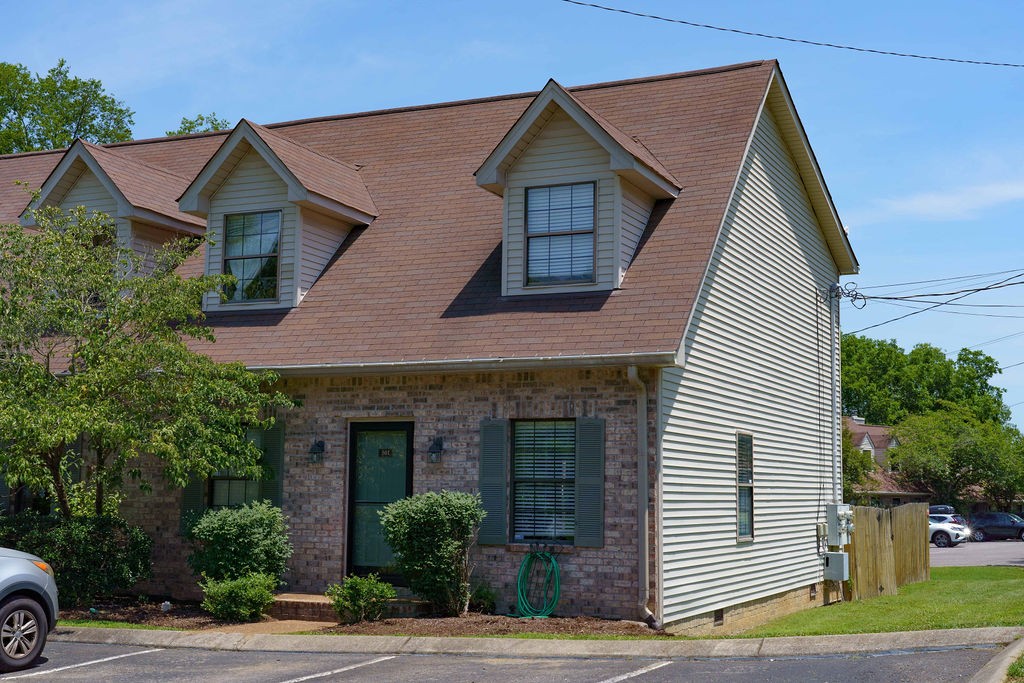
column 28, row 608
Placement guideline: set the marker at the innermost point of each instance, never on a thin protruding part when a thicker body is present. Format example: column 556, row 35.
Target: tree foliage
column 200, row 124
column 884, row 384
column 949, row 451
column 52, row 111
column 96, row 368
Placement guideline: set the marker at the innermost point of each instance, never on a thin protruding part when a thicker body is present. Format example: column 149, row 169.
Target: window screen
column 544, row 480
column 560, row 234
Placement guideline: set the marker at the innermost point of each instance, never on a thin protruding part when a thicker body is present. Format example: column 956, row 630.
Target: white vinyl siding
column 89, row 192
column 755, row 360
column 253, row 186
column 321, row 236
column 636, row 211
column 562, row 153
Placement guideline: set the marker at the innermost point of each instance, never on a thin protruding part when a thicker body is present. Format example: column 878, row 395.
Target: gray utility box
column 837, row 567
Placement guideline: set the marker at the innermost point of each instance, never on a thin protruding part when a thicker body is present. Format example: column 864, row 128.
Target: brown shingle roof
column 880, row 434
column 423, row 282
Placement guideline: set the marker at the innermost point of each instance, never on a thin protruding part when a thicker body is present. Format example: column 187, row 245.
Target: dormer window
column 251, row 254
column 560, row 234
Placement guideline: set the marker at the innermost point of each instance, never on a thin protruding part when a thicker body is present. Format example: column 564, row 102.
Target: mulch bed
column 189, row 616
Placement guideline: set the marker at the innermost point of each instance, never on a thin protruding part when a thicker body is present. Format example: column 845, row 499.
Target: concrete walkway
column 273, row 636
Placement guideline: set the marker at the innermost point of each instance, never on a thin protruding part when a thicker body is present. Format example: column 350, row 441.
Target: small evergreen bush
column 483, row 599
column 92, row 557
column 359, row 598
column 233, row 542
column 430, row 535
column 243, row 599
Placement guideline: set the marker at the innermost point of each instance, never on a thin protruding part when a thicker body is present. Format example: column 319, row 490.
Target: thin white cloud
column 963, row 203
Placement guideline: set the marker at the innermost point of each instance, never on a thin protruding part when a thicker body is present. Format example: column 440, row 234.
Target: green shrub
column 483, row 599
column 241, row 599
column 233, row 542
column 360, row 598
column 92, row 557
column 430, row 535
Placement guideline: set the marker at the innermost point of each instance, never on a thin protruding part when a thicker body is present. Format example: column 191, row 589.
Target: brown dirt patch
column 190, row 616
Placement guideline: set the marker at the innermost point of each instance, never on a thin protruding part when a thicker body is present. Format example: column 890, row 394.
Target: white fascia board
column 807, row 163
column 313, row 200
column 196, row 200
column 77, row 152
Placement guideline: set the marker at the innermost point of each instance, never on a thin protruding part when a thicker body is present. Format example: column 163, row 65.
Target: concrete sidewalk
column 253, row 637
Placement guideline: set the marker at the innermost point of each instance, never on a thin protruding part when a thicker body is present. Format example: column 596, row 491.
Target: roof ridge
column 436, row 105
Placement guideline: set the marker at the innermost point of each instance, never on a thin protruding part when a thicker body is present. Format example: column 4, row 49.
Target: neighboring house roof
column 421, row 287
column 879, row 435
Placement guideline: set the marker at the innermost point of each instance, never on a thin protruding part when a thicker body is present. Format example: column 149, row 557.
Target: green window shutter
column 272, row 485
column 193, row 503
column 494, row 481
column 589, row 482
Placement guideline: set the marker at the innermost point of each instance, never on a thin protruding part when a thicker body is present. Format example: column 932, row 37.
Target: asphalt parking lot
column 970, row 554
column 67, row 661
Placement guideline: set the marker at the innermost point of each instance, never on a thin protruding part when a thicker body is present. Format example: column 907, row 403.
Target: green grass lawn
column 955, row 597
column 105, row 623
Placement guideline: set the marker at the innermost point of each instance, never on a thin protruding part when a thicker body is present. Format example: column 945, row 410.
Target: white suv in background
column 945, row 531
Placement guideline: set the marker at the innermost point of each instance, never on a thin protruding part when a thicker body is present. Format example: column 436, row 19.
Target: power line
column 937, row 304
column 911, row 305
column 793, row 40
column 943, row 279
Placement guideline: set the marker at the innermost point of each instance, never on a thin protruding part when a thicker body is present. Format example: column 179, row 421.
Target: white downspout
column 642, row 499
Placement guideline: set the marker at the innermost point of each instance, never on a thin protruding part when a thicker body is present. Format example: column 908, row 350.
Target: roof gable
column 314, row 179
column 141, row 191
column 629, row 157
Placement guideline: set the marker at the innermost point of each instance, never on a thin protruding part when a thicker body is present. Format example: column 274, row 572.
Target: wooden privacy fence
column 889, row 549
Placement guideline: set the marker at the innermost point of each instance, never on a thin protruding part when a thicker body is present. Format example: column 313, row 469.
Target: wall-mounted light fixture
column 436, row 449
column 316, row 451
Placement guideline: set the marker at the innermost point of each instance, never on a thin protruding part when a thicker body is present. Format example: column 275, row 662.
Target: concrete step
column 316, row 607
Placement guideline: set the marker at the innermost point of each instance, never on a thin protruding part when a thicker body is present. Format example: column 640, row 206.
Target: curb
column 995, row 670
column 515, row 647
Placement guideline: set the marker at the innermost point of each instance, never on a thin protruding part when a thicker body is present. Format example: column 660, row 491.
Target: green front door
column 380, row 473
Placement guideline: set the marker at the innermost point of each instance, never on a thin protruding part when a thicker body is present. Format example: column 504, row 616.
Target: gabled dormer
column 578, row 194
column 139, row 198
column 276, row 212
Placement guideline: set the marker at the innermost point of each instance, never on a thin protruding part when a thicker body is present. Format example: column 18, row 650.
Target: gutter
column 471, row 364
column 643, row 500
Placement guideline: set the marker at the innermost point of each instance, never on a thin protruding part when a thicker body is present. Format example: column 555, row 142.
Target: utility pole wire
column 816, row 43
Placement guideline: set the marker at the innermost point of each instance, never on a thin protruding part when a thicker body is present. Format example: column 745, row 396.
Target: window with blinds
column 744, row 486
column 560, row 234
column 544, row 480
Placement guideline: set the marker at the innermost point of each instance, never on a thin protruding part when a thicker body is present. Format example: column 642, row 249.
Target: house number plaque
column 385, row 453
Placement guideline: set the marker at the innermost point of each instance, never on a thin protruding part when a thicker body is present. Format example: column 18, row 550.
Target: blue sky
column 922, row 157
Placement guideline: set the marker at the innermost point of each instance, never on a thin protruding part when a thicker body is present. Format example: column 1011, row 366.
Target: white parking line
column 46, row 672
column 634, row 674
column 338, row 671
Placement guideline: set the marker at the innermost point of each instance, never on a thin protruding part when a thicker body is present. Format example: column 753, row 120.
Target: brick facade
column 594, row 581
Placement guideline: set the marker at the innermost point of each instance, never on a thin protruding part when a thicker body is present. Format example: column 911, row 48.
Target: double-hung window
column 560, row 234
column 543, row 480
column 251, row 250
column 744, row 486
column 228, row 489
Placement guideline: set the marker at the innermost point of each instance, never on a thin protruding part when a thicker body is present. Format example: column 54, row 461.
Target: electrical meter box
column 837, row 567
column 839, row 520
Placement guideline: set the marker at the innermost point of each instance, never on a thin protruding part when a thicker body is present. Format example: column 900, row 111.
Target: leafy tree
column 857, row 464
column 51, row 111
column 200, row 124
column 883, row 384
column 95, row 369
column 949, row 450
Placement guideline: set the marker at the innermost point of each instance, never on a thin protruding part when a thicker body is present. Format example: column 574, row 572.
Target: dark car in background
column 990, row 526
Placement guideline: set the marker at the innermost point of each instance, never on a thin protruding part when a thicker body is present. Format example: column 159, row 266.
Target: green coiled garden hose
column 541, row 584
